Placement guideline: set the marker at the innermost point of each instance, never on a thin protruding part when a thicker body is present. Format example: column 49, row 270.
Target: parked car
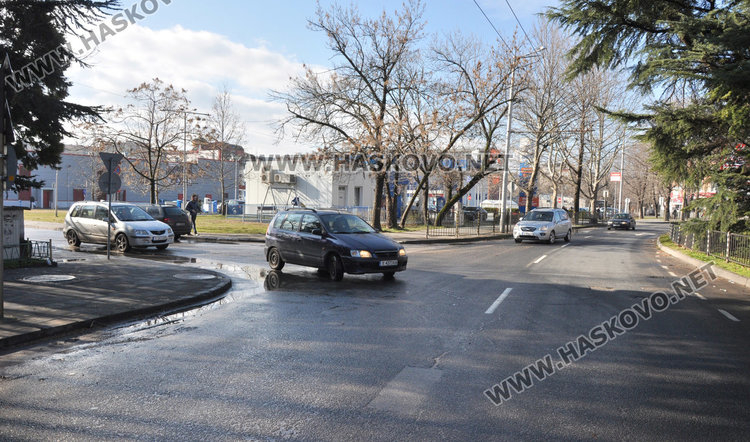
column 544, row 225
column 474, row 213
column 621, row 221
column 131, row 226
column 177, row 218
column 233, row 207
column 334, row 242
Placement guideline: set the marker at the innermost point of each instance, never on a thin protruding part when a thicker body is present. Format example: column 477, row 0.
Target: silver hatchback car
column 86, row 221
column 544, row 225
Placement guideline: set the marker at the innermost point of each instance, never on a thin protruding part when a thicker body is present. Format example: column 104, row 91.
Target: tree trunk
column 410, row 204
column 457, row 197
column 377, row 205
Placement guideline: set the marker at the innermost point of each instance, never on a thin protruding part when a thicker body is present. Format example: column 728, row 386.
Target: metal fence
column 731, row 247
column 28, row 250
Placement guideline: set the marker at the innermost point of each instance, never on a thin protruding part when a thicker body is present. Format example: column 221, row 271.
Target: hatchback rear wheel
column 275, row 260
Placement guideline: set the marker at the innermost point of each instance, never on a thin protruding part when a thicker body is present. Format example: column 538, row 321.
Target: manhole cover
column 48, row 278
column 194, row 276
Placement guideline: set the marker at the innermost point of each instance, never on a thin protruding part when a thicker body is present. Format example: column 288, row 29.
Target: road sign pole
column 109, row 207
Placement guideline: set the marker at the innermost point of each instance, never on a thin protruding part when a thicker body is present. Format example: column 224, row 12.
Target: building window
column 357, row 196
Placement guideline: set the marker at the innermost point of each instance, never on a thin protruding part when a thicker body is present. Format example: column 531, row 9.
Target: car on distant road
column 544, row 225
column 474, row 213
column 621, row 221
column 176, row 218
column 333, row 241
column 129, row 226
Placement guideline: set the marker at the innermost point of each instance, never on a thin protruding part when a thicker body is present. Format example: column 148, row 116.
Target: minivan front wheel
column 274, row 259
column 121, row 243
column 73, row 239
column 335, row 268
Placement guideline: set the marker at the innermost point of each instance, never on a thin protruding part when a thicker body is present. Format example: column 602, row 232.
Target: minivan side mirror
column 318, row 232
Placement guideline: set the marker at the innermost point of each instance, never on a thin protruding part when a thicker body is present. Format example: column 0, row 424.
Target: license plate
column 159, row 238
column 180, row 224
column 527, row 234
column 389, row 263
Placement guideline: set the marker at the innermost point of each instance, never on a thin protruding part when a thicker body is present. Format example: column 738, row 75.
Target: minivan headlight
column 401, row 252
column 544, row 228
column 140, row 232
column 361, row 254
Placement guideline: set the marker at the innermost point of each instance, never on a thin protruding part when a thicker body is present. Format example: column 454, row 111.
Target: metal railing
column 469, row 228
column 731, row 247
column 28, row 249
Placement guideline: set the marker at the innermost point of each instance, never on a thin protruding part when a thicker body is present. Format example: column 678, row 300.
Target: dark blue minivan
column 335, row 242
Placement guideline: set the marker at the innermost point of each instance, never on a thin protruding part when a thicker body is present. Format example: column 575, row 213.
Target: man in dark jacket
column 194, row 208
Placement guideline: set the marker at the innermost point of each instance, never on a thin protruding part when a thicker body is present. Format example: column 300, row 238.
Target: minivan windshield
column 345, row 223
column 131, row 213
column 538, row 216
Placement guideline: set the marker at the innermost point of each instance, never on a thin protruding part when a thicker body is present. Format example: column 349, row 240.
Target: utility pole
column 622, row 176
column 8, row 163
column 504, row 218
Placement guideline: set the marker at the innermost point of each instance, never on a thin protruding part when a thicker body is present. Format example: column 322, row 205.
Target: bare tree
column 147, row 132
column 542, row 108
column 224, row 134
column 345, row 109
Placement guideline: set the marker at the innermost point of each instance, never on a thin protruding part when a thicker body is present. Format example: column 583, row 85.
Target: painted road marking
column 566, row 245
column 672, row 274
column 497, row 302
column 665, row 267
column 587, row 237
column 701, row 296
column 540, row 259
column 729, row 315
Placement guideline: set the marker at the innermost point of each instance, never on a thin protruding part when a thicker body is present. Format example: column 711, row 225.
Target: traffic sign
column 109, row 182
column 111, row 160
column 615, row 176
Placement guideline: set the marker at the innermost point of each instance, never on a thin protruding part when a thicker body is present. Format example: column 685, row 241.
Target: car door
column 84, row 223
column 311, row 240
column 565, row 224
column 99, row 224
column 289, row 241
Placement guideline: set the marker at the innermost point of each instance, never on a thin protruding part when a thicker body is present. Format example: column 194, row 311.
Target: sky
column 252, row 47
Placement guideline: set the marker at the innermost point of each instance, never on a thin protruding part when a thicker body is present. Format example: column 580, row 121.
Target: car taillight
column 167, row 220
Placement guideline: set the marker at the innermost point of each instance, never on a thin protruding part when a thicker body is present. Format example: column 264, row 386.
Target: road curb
column 201, row 298
column 722, row 273
column 453, row 239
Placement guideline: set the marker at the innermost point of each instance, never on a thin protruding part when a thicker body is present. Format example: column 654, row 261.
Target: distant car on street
column 474, row 213
column 131, row 226
column 177, row 218
column 335, row 242
column 544, row 225
column 621, row 221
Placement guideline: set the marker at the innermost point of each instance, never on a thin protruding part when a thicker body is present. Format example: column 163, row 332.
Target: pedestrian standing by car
column 194, row 208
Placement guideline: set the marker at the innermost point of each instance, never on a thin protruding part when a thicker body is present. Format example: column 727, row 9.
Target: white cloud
column 199, row 61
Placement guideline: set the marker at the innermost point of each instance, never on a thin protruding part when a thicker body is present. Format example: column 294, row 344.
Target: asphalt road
column 294, row 356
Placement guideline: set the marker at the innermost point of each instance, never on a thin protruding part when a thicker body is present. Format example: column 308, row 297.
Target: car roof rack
column 293, row 209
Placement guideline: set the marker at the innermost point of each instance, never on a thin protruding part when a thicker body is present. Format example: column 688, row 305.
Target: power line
column 491, row 24
column 519, row 23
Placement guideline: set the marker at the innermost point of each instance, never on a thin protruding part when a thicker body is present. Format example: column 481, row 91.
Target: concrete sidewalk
column 83, row 292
